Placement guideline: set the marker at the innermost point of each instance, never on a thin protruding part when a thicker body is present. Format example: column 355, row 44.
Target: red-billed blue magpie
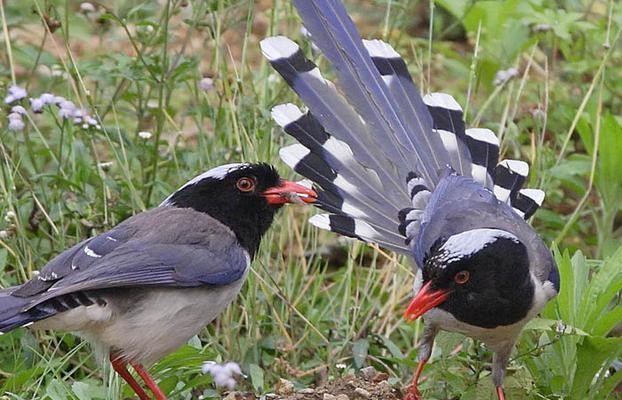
column 402, row 171
column 145, row 287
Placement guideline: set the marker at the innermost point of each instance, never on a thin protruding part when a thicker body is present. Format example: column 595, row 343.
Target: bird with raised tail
column 145, row 287
column 399, row 170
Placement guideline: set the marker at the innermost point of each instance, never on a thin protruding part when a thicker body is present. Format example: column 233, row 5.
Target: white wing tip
column 536, row 195
column 378, row 48
column 443, row 100
column 276, row 47
column 291, row 155
column 483, row 135
column 517, row 166
column 321, row 221
column 285, row 114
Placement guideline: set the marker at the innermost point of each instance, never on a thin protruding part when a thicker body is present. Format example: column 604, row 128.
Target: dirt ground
column 368, row 384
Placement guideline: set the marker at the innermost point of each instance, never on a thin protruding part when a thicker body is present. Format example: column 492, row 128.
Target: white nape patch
column 483, row 135
column 516, row 166
column 378, row 48
column 449, row 139
column 441, row 100
column 536, row 195
column 470, row 242
column 284, row 114
column 216, row 173
column 73, row 266
column 276, row 47
column 502, row 194
column 291, row 155
column 479, row 173
column 89, row 252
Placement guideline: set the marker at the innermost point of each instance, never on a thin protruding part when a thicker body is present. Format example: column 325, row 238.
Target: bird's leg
column 120, row 366
column 500, row 394
column 151, row 384
column 413, row 391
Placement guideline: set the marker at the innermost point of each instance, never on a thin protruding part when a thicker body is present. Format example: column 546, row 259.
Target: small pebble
column 307, row 391
column 362, row 393
column 342, row 397
column 328, row 396
column 284, row 387
column 368, row 373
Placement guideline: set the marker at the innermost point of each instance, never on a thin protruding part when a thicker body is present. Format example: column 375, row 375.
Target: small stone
column 328, row 396
column 342, row 397
column 231, row 396
column 284, row 387
column 368, row 373
column 362, row 393
column 381, row 377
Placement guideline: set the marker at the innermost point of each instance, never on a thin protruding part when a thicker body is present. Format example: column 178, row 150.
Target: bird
column 145, row 287
column 402, row 171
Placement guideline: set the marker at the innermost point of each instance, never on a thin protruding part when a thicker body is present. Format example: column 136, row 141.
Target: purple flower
column 18, row 110
column 47, row 98
column 206, row 84
column 17, row 92
column 16, row 124
column 36, row 105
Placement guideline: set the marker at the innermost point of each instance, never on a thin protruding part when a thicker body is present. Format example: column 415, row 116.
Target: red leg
column 500, row 394
column 413, row 391
column 151, row 384
column 119, row 365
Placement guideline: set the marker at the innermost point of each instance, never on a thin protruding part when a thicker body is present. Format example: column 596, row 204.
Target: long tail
column 374, row 147
column 11, row 315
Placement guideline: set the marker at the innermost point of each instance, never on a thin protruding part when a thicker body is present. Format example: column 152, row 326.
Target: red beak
column 289, row 192
column 424, row 301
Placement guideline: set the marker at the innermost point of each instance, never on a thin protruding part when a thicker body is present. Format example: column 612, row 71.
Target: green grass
column 136, row 67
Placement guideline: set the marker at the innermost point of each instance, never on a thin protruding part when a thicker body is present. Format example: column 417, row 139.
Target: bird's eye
column 462, row 277
column 245, row 184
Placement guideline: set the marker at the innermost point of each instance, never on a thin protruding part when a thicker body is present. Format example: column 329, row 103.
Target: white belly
column 156, row 324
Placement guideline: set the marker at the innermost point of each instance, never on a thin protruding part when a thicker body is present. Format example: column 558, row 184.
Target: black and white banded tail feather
column 370, row 142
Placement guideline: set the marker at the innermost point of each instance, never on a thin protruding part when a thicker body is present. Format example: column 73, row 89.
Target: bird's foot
column 500, row 394
column 413, row 393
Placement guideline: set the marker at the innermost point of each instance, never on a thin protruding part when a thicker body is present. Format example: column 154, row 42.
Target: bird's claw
column 413, row 394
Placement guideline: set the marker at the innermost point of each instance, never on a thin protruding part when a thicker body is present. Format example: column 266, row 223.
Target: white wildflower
column 9, row 216
column 340, row 366
column 17, row 110
column 4, row 234
column 153, row 103
column 87, row 7
column 224, row 375
column 105, row 165
column 504, row 75
column 16, row 124
column 36, row 105
column 15, row 115
column 206, row 84
column 85, row 126
column 145, row 135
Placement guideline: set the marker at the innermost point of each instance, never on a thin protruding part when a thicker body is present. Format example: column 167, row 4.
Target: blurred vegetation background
column 170, row 88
